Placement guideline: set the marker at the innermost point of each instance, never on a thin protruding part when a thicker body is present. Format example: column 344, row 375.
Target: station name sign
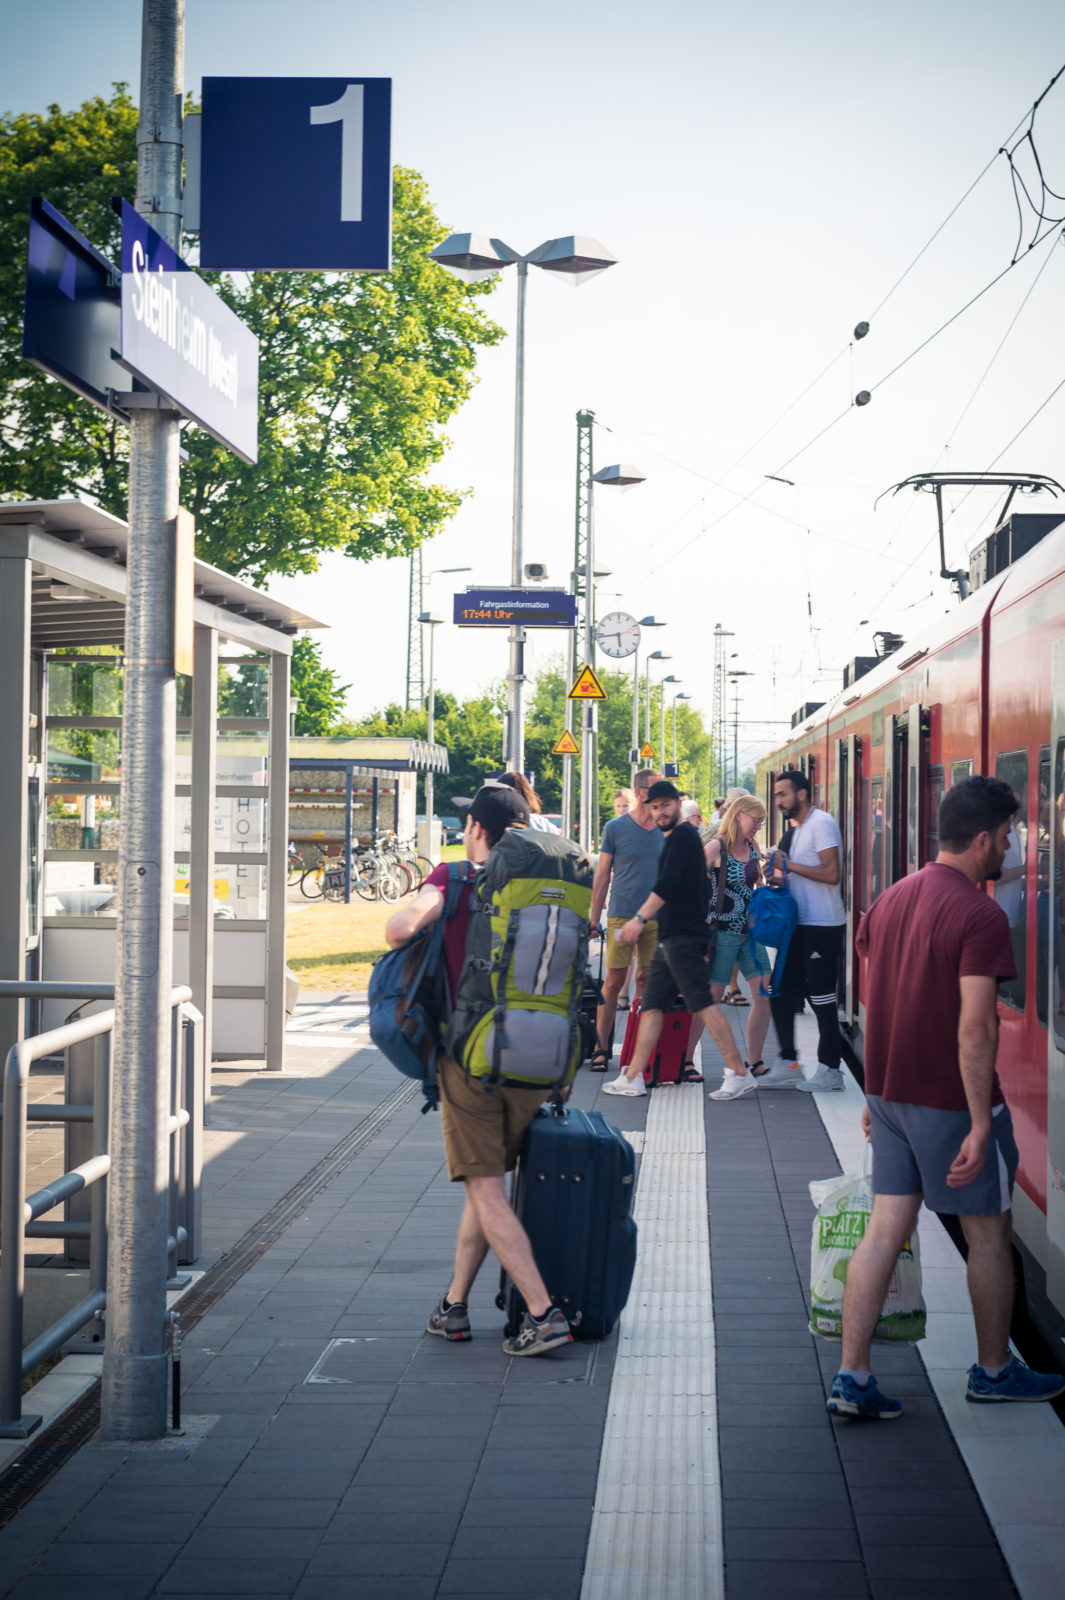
column 515, row 608
column 180, row 337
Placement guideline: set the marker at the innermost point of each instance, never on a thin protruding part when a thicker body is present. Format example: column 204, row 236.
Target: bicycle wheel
column 364, row 884
column 405, row 875
column 388, row 887
column 311, row 883
column 424, row 865
column 334, row 886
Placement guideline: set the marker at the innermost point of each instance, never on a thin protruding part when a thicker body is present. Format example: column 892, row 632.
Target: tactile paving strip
column 656, row 1528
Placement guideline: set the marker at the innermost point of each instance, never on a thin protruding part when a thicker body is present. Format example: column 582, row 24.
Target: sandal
column 599, row 1060
column 735, row 997
column 689, row 1074
column 752, row 1068
column 623, row 1002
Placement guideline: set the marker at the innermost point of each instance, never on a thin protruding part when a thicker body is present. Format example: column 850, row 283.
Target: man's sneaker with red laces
column 535, row 1338
column 849, row 1398
column 450, row 1322
column 1017, row 1382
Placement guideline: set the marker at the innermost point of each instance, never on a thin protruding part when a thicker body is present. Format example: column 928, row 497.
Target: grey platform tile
column 765, row 1413
column 420, row 1400
column 101, row 1525
column 361, row 1560
column 392, row 1527
column 233, row 1511
column 944, row 1589
column 520, row 1511
column 247, row 1576
column 291, row 1484
column 372, row 1497
column 784, row 1580
column 739, row 1333
column 546, row 1480
column 809, row 1545
column 956, row 1498
column 537, row 1455
column 561, row 1579
column 436, row 1444
column 743, row 1511
column 112, row 1560
column 407, row 1587
column 929, row 1477
column 902, row 1562
column 415, row 1476
column 53, row 1586
column 904, row 1443
column 504, row 1542
column 444, row 1425
column 944, row 1530
column 237, row 1542
column 811, row 1489
column 788, row 1450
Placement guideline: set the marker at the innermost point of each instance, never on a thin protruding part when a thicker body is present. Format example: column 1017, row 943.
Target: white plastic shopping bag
column 843, row 1208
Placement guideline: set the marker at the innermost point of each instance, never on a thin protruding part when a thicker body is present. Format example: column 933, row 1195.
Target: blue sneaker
column 1018, row 1382
column 849, row 1398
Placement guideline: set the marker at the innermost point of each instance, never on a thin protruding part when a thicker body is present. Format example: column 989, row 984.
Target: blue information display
column 71, row 324
column 515, row 608
column 296, row 174
column 181, row 338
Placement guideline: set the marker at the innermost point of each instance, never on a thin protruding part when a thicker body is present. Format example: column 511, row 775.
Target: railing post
column 194, row 1081
column 13, row 1425
column 101, row 1126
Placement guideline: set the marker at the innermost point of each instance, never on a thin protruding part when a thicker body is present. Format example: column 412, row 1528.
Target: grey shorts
column 913, row 1147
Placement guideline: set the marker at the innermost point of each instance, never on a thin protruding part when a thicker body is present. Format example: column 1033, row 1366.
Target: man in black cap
column 483, row 1131
column 680, row 901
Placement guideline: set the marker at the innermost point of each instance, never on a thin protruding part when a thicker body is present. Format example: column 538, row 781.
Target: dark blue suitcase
column 573, row 1194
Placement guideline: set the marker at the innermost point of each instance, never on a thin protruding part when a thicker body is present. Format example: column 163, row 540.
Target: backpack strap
column 457, row 880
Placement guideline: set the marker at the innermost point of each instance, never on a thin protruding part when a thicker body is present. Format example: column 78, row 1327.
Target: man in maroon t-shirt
column 937, row 948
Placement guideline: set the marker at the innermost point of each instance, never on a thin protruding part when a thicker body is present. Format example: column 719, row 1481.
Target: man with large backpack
column 513, row 1037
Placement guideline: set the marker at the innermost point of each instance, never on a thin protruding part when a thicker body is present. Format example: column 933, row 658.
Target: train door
column 917, row 731
column 887, row 855
column 849, row 761
column 1056, row 1031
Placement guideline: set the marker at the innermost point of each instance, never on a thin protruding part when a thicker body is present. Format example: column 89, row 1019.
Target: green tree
column 318, row 688
column 357, row 374
column 470, row 731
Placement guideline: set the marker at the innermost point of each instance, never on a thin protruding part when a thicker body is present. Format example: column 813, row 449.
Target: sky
column 766, row 177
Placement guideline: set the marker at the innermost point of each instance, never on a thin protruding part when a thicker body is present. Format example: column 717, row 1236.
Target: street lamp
column 432, row 621
column 656, row 655
column 645, row 622
column 472, row 256
column 662, row 722
column 676, row 697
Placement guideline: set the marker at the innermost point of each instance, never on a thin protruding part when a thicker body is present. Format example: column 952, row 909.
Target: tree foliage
column 318, row 688
column 358, row 372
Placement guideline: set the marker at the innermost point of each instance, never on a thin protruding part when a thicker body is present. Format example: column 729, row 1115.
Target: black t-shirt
column 682, row 883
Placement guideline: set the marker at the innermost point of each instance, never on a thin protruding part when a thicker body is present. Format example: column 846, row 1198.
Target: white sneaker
column 623, row 1084
column 781, row 1075
column 732, row 1086
column 824, row 1078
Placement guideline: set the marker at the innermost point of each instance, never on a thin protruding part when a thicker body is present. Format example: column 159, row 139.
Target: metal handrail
column 19, row 1211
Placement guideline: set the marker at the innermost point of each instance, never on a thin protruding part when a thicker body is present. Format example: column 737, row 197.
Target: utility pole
column 415, row 654
column 133, row 1404
column 720, row 712
column 581, row 590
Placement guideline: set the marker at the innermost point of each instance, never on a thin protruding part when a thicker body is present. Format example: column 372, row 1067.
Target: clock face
column 617, row 634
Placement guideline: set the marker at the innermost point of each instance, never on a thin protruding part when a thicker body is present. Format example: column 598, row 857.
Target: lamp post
column 472, row 256
column 656, row 655
column 645, row 622
column 676, row 697
column 662, row 723
column 432, row 621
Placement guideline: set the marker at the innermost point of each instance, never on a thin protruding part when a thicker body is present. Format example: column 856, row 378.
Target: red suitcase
column 671, row 1049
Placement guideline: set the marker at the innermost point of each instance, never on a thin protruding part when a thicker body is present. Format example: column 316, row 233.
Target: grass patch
column 334, row 946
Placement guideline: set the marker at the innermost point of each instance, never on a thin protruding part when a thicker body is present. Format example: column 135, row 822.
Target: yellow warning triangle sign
column 566, row 746
column 587, row 687
column 647, row 754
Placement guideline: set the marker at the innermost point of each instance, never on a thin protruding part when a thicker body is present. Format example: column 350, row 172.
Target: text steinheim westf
column 159, row 304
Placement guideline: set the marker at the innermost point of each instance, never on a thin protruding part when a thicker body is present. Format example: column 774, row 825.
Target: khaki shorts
column 619, row 955
column 483, row 1131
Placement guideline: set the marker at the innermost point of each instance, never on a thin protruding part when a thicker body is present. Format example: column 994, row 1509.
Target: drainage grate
column 44, row 1456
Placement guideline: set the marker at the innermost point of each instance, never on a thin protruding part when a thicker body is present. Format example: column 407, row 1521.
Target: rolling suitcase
column 573, row 1194
column 668, row 1057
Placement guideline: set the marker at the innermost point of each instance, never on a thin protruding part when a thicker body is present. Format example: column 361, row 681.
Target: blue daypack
column 409, row 1001
column 772, row 917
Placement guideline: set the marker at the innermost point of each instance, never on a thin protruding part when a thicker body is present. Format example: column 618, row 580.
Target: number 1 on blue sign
column 348, row 111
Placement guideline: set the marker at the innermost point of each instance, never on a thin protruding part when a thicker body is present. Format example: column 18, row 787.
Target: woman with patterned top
column 734, row 842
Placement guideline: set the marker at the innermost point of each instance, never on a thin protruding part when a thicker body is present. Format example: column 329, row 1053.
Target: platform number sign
column 296, row 174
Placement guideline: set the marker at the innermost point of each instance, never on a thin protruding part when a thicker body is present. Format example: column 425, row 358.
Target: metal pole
column 662, row 723
column 515, row 674
column 430, row 731
column 133, row 1403
column 647, row 701
column 674, row 730
column 587, row 722
column 736, row 734
column 635, row 762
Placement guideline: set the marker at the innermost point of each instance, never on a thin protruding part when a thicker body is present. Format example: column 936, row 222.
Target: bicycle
column 296, row 865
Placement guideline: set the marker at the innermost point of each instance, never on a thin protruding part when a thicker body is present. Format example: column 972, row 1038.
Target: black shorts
column 679, row 964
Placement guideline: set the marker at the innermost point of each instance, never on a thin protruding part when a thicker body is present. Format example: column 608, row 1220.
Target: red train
column 983, row 691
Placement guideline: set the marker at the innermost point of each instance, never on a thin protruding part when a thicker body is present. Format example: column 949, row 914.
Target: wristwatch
column 640, row 918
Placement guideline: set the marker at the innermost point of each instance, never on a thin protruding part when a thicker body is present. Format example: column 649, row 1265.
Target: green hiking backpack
column 516, row 1016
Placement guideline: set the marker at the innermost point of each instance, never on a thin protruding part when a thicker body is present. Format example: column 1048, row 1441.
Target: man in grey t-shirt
column 628, row 864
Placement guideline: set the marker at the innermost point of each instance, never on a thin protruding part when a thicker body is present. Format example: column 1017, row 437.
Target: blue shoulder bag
column 772, row 917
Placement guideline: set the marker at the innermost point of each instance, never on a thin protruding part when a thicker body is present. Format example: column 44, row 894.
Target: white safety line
column 1015, row 1453
column 656, row 1527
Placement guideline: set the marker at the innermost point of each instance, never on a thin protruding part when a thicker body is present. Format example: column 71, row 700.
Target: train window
column 1057, row 892
column 876, row 857
column 1042, row 890
column 931, row 826
column 960, row 770
column 1011, row 889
